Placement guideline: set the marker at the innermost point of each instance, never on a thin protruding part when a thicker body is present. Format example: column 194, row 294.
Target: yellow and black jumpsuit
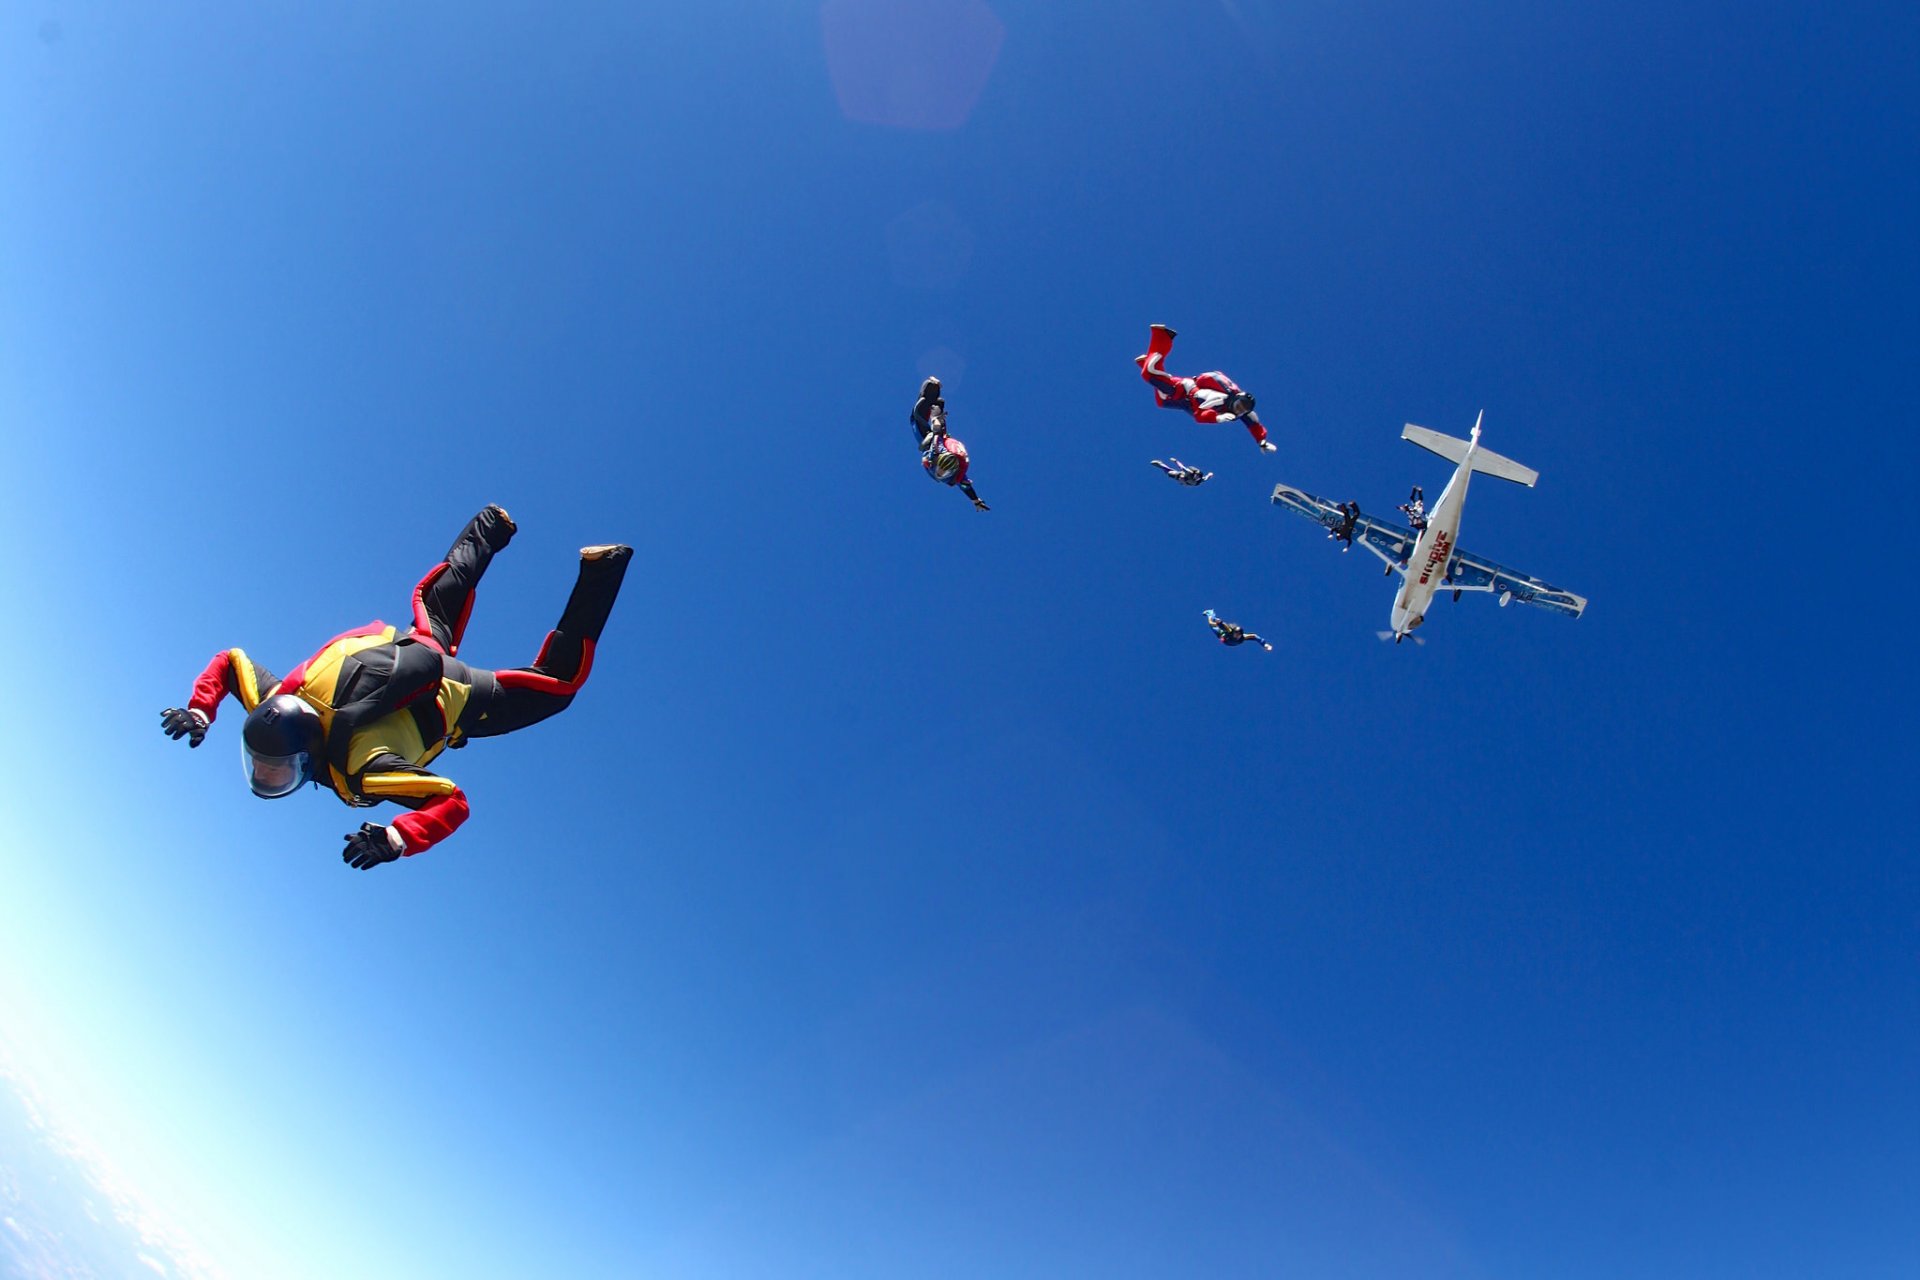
column 389, row 703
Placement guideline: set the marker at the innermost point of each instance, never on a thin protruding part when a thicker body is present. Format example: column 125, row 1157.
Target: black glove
column 184, row 724
column 369, row 847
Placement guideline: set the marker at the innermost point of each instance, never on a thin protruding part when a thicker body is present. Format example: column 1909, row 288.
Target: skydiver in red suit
column 366, row 714
column 1209, row 397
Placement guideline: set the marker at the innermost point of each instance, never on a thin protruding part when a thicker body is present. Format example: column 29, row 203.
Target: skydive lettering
column 1441, row 545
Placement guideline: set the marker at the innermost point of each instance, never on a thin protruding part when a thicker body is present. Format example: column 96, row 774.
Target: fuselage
column 1429, row 564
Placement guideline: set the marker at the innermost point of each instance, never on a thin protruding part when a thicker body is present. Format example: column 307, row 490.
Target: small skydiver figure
column 1231, row 633
column 943, row 456
column 1416, row 508
column 368, row 712
column 1210, row 397
column 1349, row 520
column 1185, row 474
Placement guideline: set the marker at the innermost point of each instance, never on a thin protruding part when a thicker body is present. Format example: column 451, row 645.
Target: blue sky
column 920, row 892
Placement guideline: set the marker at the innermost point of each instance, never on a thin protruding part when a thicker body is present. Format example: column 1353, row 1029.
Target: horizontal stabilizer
column 1485, row 461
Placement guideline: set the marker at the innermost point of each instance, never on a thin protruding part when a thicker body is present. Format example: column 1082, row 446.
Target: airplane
column 1429, row 561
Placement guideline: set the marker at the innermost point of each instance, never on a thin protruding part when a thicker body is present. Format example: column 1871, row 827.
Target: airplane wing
column 1468, row 572
column 1473, row 573
column 1390, row 542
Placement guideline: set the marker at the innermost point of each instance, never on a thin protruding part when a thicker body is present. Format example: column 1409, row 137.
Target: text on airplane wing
column 1303, row 503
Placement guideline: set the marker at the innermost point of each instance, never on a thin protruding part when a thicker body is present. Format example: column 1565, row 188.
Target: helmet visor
column 271, row 777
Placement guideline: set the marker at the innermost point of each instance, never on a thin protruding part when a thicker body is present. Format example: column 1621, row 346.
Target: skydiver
column 1349, row 520
column 1232, row 633
column 943, row 456
column 368, row 712
column 1185, row 474
column 1210, row 397
column 1416, row 508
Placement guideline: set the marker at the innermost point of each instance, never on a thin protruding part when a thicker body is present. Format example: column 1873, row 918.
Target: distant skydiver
column 1231, row 633
column 1349, row 520
column 1183, row 473
column 1210, row 397
column 1416, row 508
column 368, row 712
column 943, row 456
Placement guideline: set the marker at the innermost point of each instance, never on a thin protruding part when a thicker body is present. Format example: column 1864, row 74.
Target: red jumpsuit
column 1204, row 396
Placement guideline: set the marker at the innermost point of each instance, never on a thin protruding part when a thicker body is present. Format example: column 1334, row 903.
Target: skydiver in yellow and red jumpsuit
column 371, row 710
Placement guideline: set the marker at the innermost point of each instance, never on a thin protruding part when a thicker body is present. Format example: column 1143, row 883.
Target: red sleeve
column 215, row 683
column 432, row 822
column 230, row 672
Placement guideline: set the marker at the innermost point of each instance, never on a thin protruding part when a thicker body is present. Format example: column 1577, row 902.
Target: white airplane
column 1428, row 560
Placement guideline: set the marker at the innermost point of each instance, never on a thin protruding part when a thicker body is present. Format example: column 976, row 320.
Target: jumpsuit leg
column 922, row 419
column 527, row 695
column 1166, row 388
column 444, row 599
column 1168, row 392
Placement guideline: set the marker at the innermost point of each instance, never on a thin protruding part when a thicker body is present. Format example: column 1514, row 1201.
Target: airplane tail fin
column 1485, row 461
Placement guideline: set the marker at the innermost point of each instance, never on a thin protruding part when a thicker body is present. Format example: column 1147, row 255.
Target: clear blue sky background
column 918, row 892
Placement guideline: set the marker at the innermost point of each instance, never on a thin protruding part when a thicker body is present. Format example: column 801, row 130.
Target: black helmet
column 1241, row 403
column 280, row 746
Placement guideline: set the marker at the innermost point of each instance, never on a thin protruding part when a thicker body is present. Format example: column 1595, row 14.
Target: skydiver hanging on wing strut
column 1210, row 397
column 1232, row 633
column 1185, row 474
column 943, row 456
column 368, row 712
column 1349, row 520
